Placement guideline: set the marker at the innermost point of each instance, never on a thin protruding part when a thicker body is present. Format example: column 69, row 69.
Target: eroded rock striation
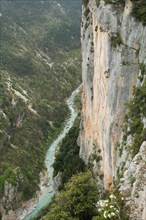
column 113, row 46
column 113, row 49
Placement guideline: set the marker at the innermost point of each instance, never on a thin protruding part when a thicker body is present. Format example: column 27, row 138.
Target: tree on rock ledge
column 77, row 200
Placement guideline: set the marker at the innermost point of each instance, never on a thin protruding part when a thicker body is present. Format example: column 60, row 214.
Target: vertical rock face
column 133, row 185
column 113, row 46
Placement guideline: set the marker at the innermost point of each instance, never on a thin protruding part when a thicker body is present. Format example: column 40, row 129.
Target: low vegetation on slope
column 137, row 112
column 134, row 121
column 76, row 201
column 81, row 199
column 139, row 7
column 40, row 66
column 67, row 160
column 139, row 10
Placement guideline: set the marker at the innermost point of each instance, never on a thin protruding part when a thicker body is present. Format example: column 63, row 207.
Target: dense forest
column 40, row 67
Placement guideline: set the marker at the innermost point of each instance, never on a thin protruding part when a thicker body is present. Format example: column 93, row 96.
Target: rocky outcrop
column 133, row 185
column 14, row 210
column 113, row 46
column 57, row 182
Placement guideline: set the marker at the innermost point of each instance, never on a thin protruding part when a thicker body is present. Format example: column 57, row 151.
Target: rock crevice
column 113, row 46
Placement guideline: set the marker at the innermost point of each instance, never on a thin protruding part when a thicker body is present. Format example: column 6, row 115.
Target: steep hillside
column 40, row 67
column 112, row 136
column 113, row 120
column 114, row 62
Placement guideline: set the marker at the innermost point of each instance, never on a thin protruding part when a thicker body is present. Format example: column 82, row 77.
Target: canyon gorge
column 113, row 54
column 102, row 159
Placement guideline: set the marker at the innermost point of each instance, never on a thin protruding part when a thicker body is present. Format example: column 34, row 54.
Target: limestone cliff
column 113, row 49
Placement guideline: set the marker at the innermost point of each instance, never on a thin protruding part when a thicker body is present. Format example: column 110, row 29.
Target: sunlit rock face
column 113, row 46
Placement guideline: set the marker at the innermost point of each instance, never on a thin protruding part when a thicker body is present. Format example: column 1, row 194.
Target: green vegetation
column 9, row 175
column 108, row 1
column 133, row 120
column 97, row 2
column 76, row 201
column 82, row 200
column 86, row 12
column 38, row 25
column 36, row 132
column 80, row 197
column 85, row 2
column 111, row 208
column 43, row 211
column 143, row 71
column 116, row 40
column 78, row 104
column 139, row 10
column 139, row 7
column 40, row 67
column 115, row 2
column 132, row 180
column 67, row 160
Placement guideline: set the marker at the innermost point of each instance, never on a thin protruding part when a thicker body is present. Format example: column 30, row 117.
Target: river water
column 47, row 192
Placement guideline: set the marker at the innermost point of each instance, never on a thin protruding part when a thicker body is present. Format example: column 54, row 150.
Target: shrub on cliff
column 77, row 200
column 134, row 125
column 139, row 10
column 82, row 200
column 85, row 2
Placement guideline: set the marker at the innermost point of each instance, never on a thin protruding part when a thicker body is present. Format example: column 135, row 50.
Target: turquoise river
column 47, row 192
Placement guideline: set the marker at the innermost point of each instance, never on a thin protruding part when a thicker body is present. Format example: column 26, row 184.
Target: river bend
column 47, row 192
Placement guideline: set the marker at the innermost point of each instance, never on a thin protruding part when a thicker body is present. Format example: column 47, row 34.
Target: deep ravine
column 47, row 191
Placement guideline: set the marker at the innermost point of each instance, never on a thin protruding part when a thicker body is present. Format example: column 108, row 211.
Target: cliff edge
column 114, row 62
